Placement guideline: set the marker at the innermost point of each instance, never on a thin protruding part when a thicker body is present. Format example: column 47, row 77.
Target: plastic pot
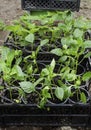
column 11, row 95
column 75, row 98
column 80, row 70
column 54, row 100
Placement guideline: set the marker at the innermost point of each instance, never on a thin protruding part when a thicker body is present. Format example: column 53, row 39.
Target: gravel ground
column 10, row 9
column 85, row 9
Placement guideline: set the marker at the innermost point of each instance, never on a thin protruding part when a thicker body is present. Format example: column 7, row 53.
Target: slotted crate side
column 30, row 5
column 57, row 116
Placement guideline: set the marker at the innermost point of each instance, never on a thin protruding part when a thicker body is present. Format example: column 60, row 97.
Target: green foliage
column 27, row 86
column 59, row 92
column 83, row 97
column 63, row 36
column 45, row 95
column 30, row 38
column 86, row 76
column 57, row 51
column 7, row 68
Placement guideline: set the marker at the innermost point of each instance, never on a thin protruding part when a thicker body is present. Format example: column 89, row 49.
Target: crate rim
column 51, row 9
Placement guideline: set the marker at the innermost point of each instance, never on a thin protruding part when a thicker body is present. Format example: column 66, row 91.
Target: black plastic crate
column 30, row 5
column 63, row 114
column 58, row 115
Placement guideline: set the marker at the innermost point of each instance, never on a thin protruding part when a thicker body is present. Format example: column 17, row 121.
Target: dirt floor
column 11, row 9
column 85, row 9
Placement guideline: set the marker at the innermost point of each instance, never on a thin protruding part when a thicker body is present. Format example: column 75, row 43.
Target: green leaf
column 3, row 66
column 83, row 97
column 60, row 83
column 87, row 55
column 57, row 51
column 11, row 55
column 44, row 42
column 65, row 72
column 4, row 52
column 71, row 77
column 65, row 40
column 68, row 41
column 29, row 69
column 46, row 93
column 19, row 71
column 38, row 81
column 42, row 102
column 86, row 76
column 18, row 53
column 44, row 72
column 52, row 65
column 87, row 44
column 80, row 23
column 68, row 89
column 67, row 92
column 28, row 87
column 59, row 93
column 63, row 59
column 30, row 38
column 78, row 33
column 18, row 60
column 13, row 71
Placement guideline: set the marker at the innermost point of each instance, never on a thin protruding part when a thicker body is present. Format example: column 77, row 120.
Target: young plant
column 30, row 29
column 10, row 69
column 31, row 88
column 63, row 36
column 51, row 89
column 73, row 49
